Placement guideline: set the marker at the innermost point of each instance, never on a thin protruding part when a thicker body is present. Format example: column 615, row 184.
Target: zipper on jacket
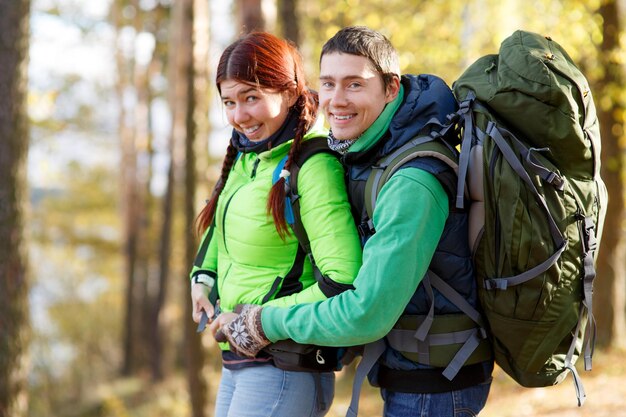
column 272, row 290
column 254, row 167
column 224, row 217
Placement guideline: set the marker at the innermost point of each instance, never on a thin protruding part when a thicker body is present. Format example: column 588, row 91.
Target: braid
column 206, row 216
column 307, row 104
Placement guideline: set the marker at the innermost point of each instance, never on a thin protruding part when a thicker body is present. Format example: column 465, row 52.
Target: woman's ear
column 392, row 89
column 291, row 97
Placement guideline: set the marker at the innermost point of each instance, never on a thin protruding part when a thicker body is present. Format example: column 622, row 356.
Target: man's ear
column 392, row 89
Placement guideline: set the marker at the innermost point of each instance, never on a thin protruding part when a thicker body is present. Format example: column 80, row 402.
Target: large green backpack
column 530, row 164
column 531, row 117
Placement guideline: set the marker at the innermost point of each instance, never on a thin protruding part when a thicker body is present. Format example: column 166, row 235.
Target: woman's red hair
column 268, row 62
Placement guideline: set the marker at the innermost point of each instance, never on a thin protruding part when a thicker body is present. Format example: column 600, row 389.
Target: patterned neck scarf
column 340, row 146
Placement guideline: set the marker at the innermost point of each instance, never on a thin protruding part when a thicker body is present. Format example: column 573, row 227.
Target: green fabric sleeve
column 409, row 218
column 327, row 219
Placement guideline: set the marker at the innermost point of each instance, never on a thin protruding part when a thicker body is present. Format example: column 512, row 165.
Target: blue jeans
column 264, row 391
column 466, row 402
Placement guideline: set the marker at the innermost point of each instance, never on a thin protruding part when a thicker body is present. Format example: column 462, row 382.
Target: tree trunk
column 198, row 387
column 250, row 15
column 287, row 12
column 165, row 241
column 164, row 272
column 14, row 138
column 128, row 185
column 610, row 287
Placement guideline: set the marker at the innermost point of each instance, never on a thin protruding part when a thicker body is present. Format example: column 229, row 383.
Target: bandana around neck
column 340, row 146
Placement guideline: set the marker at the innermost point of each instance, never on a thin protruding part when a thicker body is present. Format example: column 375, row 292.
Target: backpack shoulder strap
column 292, row 204
column 422, row 146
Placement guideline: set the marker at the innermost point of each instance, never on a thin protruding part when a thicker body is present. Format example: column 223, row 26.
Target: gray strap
column 502, row 283
column 544, row 173
column 462, row 356
column 377, row 174
column 466, row 145
column 424, row 327
column 455, row 298
column 379, row 170
column 581, row 396
column 497, row 134
column 578, row 384
column 371, row 353
column 404, row 340
column 590, row 244
column 421, row 334
column 472, row 342
column 528, row 155
column 589, row 339
column 420, row 138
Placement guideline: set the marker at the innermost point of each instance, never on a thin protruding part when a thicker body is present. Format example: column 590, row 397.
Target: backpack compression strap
column 497, row 134
column 587, row 230
column 419, row 341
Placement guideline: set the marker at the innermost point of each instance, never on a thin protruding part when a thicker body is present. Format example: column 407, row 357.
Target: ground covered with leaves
column 605, row 386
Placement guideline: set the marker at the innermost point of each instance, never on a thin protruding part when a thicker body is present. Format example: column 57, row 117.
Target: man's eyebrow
column 347, row 77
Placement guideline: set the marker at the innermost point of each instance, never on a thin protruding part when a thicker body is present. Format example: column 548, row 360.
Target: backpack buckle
column 465, row 105
column 556, row 181
column 482, row 333
column 589, row 233
column 496, row 284
column 366, row 228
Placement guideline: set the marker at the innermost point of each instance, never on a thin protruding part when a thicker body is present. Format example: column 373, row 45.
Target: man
column 414, row 237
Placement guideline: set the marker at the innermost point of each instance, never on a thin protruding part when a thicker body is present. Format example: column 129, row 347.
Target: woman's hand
column 200, row 302
column 245, row 333
column 222, row 320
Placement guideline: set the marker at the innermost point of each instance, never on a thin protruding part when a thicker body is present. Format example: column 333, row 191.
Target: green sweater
column 409, row 218
column 245, row 251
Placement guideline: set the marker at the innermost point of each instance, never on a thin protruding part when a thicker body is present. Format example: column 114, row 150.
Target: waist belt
column 291, row 356
column 421, row 381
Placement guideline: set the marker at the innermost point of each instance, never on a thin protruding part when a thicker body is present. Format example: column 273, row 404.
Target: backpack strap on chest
column 308, row 148
column 466, row 332
column 383, row 170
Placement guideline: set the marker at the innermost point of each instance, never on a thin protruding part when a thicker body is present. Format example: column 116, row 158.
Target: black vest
column 452, row 259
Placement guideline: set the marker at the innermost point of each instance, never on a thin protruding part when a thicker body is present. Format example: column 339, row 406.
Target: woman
column 248, row 249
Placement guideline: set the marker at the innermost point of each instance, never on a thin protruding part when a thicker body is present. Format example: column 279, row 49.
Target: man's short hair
column 368, row 43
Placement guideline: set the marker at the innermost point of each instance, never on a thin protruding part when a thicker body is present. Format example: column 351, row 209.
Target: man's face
column 352, row 94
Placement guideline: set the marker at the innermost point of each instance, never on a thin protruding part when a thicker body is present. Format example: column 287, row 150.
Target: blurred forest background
column 111, row 135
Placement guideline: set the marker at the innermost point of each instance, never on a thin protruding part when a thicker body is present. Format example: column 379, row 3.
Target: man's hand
column 244, row 334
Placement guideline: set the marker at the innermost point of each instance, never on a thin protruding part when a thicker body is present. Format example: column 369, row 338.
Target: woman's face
column 255, row 112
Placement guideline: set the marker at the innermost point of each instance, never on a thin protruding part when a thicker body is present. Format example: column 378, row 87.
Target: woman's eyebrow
column 240, row 93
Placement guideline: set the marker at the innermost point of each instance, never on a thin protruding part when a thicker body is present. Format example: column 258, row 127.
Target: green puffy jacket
column 252, row 263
